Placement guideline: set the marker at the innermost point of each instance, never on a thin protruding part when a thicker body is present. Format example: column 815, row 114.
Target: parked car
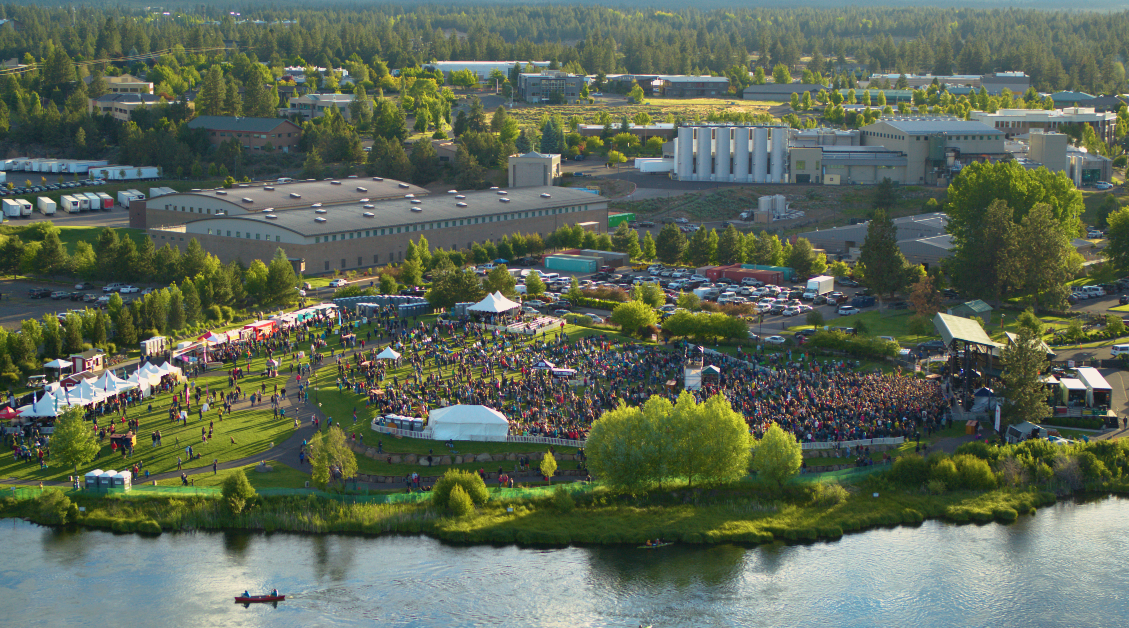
column 775, row 340
column 848, row 310
column 338, row 283
column 77, row 296
column 111, row 287
column 59, row 295
column 38, row 293
column 810, row 331
column 791, row 311
column 931, row 346
column 128, row 289
column 897, row 305
column 846, row 281
column 1123, row 299
column 561, row 312
column 84, row 285
column 1103, row 185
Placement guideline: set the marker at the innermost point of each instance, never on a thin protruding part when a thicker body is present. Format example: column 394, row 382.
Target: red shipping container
column 767, row 276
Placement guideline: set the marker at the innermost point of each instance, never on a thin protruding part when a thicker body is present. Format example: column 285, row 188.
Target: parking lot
column 16, row 304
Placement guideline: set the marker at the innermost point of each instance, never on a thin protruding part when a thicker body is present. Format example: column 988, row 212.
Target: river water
column 1063, row 567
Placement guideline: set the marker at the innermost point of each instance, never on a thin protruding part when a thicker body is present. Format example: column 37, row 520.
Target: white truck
column 822, row 284
column 46, row 206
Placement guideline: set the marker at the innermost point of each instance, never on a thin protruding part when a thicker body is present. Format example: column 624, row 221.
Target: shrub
column 974, row 473
column 237, row 491
column 228, row 313
column 54, row 507
column 945, row 471
column 978, row 449
column 828, row 494
column 863, row 347
column 459, row 503
column 936, row 487
column 213, row 313
column 470, row 482
column 910, row 470
column 562, row 500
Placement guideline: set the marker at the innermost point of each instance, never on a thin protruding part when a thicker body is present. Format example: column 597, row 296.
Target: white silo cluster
column 731, row 153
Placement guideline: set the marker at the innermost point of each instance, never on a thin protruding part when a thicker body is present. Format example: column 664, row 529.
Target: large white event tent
column 388, row 354
column 494, row 304
column 467, row 422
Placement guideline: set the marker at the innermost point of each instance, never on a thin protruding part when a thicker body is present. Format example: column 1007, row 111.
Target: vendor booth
column 468, row 422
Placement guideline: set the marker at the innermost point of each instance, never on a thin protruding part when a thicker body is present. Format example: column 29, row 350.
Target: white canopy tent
column 47, row 405
column 494, row 304
column 466, row 422
column 388, row 354
column 215, row 339
column 59, row 363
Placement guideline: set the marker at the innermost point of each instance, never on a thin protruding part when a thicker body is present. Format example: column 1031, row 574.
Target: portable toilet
column 105, row 481
column 122, row 480
column 92, row 479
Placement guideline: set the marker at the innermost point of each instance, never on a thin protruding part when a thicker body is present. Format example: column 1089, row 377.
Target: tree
column 574, row 293
column 626, row 240
column 689, row 301
column 312, row 167
column 885, row 195
column 925, row 297
column 815, row 319
column 387, row 284
column 237, row 491
column 176, row 311
column 74, row 442
column 765, row 249
column 649, row 251
column 984, row 263
column 701, row 251
column 804, row 259
column 671, row 244
column 634, row 316
column 548, row 466
column 781, row 75
column 470, row 483
column 126, row 333
column 631, row 447
column 500, row 279
column 192, row 307
column 452, row 285
column 281, row 281
column 331, row 458
column 1045, row 259
column 1118, row 249
column 615, row 158
column 777, row 456
column 979, row 184
column 1025, row 397
column 468, row 173
column 884, row 262
column 411, row 273
column 730, row 247
column 712, row 441
column 51, row 258
column 650, row 293
column 425, row 162
column 534, row 286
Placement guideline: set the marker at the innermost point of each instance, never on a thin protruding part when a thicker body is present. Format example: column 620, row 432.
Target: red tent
column 7, row 413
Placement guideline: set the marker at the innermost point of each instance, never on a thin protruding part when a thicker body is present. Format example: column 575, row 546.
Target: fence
column 855, row 443
column 540, row 440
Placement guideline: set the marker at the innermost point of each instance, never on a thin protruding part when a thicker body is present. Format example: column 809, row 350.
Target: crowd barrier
column 854, row 443
column 426, row 435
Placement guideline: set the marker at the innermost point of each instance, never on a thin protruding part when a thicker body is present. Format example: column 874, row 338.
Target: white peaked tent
column 58, row 363
column 215, row 339
column 494, row 304
column 112, row 384
column 86, row 393
column 465, row 422
column 388, row 354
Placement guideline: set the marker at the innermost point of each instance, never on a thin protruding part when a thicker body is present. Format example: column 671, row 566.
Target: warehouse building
column 1015, row 122
column 780, row 92
column 669, row 86
column 845, row 165
column 483, row 69
column 936, row 147
column 731, row 153
column 840, row 240
column 351, row 234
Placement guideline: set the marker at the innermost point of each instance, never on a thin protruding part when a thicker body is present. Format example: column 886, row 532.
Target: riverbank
column 749, row 513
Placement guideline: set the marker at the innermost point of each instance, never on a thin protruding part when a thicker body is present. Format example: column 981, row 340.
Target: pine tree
column 884, row 262
column 126, row 333
column 648, row 246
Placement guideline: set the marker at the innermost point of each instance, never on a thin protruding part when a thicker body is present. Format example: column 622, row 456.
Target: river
column 1062, row 567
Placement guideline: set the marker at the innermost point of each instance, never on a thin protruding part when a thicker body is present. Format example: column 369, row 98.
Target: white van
column 1119, row 350
column 1093, row 291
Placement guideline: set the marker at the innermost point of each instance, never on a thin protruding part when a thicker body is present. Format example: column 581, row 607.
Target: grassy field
column 281, row 476
column 895, row 323
column 254, row 431
column 657, row 108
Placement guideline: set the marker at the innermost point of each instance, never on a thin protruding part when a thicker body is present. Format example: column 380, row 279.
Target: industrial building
column 731, row 153
column 1054, row 152
column 921, row 238
column 677, row 86
column 994, row 83
column 665, row 130
column 252, row 133
column 534, row 169
column 935, row 147
column 780, row 92
column 483, row 69
column 1016, row 122
column 540, row 87
column 333, row 230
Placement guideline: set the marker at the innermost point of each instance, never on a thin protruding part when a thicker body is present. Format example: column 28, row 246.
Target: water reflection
column 236, row 544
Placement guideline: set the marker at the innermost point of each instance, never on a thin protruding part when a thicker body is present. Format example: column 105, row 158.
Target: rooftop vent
column 244, row 185
column 460, row 204
column 493, row 187
column 272, row 217
column 415, row 201
column 360, row 189
column 417, row 208
column 369, row 214
column 504, row 200
column 364, row 200
column 221, row 192
column 369, row 206
column 452, row 191
column 268, row 210
column 502, row 192
column 248, row 200
column 409, row 196
column 378, row 178
column 316, row 205
column 404, row 185
column 352, row 176
column 546, row 195
column 319, row 219
column 460, row 196
column 295, row 195
column 269, row 188
column 335, row 183
column 319, row 211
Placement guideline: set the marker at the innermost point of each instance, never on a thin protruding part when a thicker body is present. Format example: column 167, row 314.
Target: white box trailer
column 46, row 206
column 69, row 204
column 83, row 167
column 161, row 191
column 11, row 208
column 95, row 201
column 107, row 201
column 3, row 176
column 83, row 202
column 10, row 164
column 652, row 164
column 1099, row 393
column 25, row 207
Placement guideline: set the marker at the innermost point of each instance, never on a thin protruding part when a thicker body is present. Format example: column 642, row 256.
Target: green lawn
column 281, row 476
column 254, row 431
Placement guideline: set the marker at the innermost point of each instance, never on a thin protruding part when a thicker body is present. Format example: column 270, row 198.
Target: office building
column 253, row 133
column 676, row 86
column 550, row 86
column 1015, row 122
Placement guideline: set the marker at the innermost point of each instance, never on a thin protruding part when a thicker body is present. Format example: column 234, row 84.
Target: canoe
column 654, row 546
column 259, row 598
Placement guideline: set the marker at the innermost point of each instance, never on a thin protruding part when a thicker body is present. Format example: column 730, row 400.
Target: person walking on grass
column 215, row 466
